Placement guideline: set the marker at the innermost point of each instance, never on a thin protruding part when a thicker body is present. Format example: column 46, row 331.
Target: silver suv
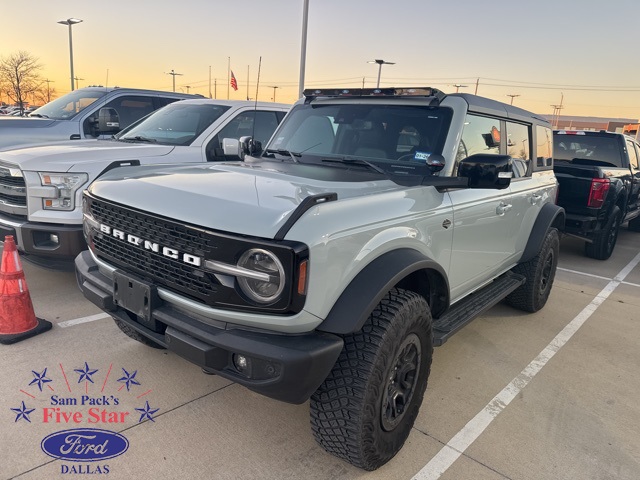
column 374, row 225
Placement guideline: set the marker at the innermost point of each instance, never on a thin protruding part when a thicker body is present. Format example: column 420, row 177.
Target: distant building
column 571, row 122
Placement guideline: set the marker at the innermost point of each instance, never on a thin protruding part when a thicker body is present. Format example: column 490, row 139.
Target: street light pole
column 274, row 93
column 70, row 22
column 380, row 63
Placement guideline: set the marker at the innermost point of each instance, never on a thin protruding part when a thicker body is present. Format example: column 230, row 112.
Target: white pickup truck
column 75, row 116
column 41, row 185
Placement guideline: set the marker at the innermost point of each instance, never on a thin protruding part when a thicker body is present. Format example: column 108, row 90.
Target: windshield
column 574, row 148
column 69, row 105
column 176, row 124
column 378, row 133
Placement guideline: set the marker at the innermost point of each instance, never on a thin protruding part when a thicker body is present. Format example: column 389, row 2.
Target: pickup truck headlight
column 264, row 279
column 66, row 185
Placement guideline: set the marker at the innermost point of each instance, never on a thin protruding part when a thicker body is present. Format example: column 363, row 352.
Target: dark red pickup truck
column 599, row 179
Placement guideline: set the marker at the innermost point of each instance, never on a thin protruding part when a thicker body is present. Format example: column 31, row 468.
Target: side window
column 241, row 126
column 544, row 148
column 633, row 155
column 518, row 147
column 480, row 135
column 129, row 107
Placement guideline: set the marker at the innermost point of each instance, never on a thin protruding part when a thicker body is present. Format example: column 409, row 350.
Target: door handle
column 535, row 198
column 503, row 208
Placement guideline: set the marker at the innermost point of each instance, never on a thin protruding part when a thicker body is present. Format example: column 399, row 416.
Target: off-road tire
column 131, row 333
column 634, row 225
column 540, row 272
column 604, row 243
column 352, row 415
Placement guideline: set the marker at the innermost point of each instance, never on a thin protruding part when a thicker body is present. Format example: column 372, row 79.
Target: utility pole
column 173, row 74
column 187, row 87
column 247, row 82
column 76, row 79
column 477, row 83
column 215, row 88
column 512, row 97
column 48, row 90
column 209, row 81
column 458, row 86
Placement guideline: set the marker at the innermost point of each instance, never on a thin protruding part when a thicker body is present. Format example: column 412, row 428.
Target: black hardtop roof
column 476, row 103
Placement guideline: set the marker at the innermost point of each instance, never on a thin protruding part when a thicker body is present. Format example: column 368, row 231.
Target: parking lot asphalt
column 551, row 395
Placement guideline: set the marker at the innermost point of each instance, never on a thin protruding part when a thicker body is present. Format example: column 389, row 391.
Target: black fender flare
column 551, row 215
column 372, row 283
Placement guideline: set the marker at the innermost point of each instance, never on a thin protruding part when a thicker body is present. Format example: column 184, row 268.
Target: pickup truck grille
column 162, row 270
column 13, row 192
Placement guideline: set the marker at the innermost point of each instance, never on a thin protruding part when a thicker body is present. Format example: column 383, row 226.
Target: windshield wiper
column 286, row 153
column 38, row 115
column 138, row 138
column 356, row 161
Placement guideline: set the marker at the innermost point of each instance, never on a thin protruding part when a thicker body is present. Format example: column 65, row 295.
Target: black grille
column 163, row 270
column 180, row 276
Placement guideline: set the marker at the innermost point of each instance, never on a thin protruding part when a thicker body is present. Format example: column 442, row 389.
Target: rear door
column 633, row 151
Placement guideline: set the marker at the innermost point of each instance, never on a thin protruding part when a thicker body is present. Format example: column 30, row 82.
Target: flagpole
column 228, row 75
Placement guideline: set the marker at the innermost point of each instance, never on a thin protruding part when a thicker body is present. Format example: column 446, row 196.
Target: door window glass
column 518, row 148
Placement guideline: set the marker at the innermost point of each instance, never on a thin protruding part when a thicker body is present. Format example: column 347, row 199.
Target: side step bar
column 473, row 305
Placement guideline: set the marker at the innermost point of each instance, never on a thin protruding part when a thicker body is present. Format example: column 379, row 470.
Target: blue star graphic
column 147, row 412
column 23, row 412
column 85, row 374
column 40, row 378
column 129, row 379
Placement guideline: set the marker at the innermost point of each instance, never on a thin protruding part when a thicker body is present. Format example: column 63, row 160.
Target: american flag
column 234, row 83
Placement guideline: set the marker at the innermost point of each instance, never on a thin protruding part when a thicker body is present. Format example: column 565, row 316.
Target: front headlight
column 267, row 281
column 66, row 185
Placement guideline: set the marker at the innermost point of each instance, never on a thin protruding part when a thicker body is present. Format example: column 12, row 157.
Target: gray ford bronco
column 326, row 266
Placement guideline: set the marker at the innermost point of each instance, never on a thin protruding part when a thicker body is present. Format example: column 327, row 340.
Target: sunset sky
column 583, row 53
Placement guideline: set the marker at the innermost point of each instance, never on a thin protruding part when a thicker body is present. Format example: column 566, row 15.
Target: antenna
column 255, row 105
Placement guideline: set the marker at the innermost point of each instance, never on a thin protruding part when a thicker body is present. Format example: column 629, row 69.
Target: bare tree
column 19, row 77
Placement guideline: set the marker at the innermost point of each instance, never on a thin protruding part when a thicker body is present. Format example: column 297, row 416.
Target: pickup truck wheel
column 540, row 272
column 605, row 241
column 364, row 410
column 131, row 333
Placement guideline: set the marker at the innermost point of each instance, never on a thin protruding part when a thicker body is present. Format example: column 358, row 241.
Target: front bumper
column 45, row 240
column 287, row 367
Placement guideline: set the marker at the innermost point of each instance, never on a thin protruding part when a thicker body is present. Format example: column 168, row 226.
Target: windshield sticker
column 422, row 156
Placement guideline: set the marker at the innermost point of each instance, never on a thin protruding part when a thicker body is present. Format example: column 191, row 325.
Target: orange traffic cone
column 17, row 318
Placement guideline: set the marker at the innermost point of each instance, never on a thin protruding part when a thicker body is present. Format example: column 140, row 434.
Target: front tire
column 605, row 241
column 366, row 407
column 540, row 272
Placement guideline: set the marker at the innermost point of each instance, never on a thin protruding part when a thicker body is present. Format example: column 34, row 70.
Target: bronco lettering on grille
column 152, row 246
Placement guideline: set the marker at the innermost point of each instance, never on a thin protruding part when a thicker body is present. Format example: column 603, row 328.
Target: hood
column 62, row 156
column 231, row 197
column 25, row 122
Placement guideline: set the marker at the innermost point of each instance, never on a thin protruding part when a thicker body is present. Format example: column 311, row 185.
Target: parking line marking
column 596, row 276
column 474, row 428
column 78, row 321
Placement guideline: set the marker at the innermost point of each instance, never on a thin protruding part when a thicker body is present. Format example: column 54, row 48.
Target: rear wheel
column 364, row 410
column 540, row 272
column 605, row 241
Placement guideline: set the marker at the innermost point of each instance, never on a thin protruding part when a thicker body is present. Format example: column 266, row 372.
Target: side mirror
column 231, row 148
column 108, row 120
column 487, row 171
